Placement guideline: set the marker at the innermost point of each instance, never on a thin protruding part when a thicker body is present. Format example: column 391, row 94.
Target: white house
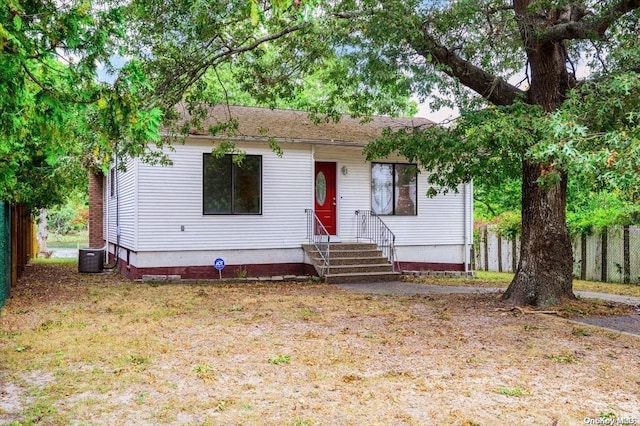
column 257, row 215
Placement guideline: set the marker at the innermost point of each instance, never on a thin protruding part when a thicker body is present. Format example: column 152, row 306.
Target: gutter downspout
column 106, row 203
column 312, row 158
column 116, row 248
column 466, row 226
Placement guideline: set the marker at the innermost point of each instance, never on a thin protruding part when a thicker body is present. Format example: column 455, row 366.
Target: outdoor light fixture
column 345, row 171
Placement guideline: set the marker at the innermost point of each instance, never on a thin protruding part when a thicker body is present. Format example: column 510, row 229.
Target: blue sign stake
column 219, row 265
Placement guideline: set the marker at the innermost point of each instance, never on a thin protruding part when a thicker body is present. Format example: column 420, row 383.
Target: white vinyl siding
column 122, row 206
column 161, row 210
column 440, row 220
column 170, row 198
column 186, row 258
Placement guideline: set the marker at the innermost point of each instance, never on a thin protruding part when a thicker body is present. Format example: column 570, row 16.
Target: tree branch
column 494, row 89
column 593, row 25
column 35, row 79
column 177, row 84
column 494, row 10
column 486, row 203
column 351, row 14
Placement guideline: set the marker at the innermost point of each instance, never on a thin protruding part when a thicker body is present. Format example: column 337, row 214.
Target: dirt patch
column 117, row 352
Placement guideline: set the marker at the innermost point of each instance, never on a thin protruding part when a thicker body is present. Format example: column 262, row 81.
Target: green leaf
column 255, row 13
column 17, row 22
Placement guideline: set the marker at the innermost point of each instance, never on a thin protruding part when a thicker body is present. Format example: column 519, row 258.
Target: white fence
column 612, row 256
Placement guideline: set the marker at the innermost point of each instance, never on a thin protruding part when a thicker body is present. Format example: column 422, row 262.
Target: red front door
column 325, row 195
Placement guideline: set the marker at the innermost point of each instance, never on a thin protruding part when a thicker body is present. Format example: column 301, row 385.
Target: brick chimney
column 96, row 210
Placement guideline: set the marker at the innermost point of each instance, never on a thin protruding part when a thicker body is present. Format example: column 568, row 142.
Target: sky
column 438, row 116
column 117, row 62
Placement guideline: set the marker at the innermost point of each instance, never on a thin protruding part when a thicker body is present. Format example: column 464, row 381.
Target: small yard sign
column 219, row 265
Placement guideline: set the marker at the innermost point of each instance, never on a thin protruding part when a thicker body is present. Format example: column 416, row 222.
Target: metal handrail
column 372, row 228
column 318, row 235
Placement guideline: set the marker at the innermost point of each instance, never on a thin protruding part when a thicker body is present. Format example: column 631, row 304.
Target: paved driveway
column 625, row 323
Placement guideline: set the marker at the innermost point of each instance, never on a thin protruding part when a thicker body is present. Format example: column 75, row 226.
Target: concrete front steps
column 353, row 263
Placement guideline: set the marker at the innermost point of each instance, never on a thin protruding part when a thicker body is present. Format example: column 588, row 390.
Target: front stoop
column 353, row 263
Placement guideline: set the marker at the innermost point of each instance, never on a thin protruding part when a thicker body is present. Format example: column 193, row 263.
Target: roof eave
column 268, row 139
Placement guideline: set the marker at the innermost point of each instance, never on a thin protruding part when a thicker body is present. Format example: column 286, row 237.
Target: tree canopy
column 280, row 53
column 55, row 117
column 548, row 127
column 365, row 57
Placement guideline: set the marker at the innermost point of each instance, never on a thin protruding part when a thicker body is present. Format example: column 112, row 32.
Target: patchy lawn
column 98, row 349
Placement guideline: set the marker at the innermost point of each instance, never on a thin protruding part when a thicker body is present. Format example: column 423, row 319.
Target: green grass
column 494, row 277
column 613, row 288
column 502, row 279
column 280, row 359
column 79, row 240
column 515, row 392
column 55, row 260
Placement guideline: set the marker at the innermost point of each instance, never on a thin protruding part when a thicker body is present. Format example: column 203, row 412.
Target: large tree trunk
column 545, row 270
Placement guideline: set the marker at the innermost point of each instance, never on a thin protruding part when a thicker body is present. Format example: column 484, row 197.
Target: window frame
column 394, row 189
column 234, row 167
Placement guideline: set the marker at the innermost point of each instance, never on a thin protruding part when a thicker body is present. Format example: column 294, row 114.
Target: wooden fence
column 17, row 245
column 611, row 256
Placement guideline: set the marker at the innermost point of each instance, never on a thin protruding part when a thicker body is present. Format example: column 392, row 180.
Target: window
column 394, row 189
column 230, row 188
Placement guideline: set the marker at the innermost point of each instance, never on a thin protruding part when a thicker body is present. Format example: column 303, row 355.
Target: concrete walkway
column 66, row 253
column 622, row 323
column 399, row 287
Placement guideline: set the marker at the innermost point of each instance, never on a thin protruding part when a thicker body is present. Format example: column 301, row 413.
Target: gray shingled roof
column 295, row 126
